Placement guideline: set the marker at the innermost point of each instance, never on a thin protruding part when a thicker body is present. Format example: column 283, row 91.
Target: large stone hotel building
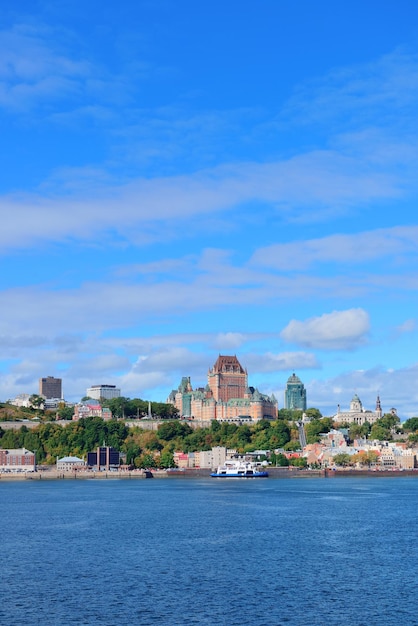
column 226, row 397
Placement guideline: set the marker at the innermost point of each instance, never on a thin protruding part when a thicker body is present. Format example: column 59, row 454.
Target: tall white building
column 103, row 391
column 357, row 414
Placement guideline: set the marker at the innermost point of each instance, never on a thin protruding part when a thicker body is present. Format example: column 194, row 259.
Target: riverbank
column 274, row 472
column 52, row 474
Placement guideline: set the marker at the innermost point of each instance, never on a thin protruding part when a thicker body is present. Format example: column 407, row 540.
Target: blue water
column 181, row 551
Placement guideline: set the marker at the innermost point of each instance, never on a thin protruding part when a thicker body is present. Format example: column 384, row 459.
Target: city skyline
column 185, row 180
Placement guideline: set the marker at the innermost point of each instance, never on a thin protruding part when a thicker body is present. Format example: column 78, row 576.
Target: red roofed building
column 226, row 397
column 227, row 379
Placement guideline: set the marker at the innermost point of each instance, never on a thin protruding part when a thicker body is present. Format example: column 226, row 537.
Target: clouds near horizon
column 164, row 200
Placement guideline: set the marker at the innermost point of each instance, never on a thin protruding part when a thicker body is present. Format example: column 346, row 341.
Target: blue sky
column 183, row 179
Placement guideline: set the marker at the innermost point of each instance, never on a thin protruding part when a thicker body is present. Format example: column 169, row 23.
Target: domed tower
column 356, row 405
column 295, row 394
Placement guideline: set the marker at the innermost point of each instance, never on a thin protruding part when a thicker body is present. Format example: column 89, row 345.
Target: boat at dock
column 240, row 469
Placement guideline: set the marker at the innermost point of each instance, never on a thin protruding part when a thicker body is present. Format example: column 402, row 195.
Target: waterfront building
column 206, row 459
column 295, row 394
column 106, row 392
column 17, row 460
column 226, row 397
column 181, row 460
column 50, row 387
column 356, row 414
column 70, row 463
column 104, row 458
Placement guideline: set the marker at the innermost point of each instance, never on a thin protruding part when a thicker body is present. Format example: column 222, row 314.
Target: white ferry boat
column 239, row 469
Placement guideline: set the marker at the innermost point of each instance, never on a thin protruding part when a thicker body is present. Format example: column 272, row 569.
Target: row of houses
column 91, row 408
column 325, row 454
column 389, row 454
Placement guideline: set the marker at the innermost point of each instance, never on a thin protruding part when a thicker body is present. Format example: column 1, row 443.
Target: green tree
column 389, row 420
column 313, row 413
column 343, row 459
column 292, row 446
column 132, row 451
column 316, row 427
column 117, row 406
column 163, row 410
column 145, row 460
column 167, row 460
column 37, row 401
column 171, row 430
column 65, row 412
column 299, row 462
column 380, row 432
column 291, row 415
column 280, row 431
column 411, row 425
column 278, row 459
column 355, row 431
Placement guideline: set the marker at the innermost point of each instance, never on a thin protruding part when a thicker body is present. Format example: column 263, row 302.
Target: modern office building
column 226, row 397
column 107, row 392
column 295, row 394
column 50, row 387
column 104, row 458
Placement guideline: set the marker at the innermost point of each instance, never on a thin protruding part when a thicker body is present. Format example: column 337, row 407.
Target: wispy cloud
column 280, row 362
column 142, row 205
column 33, row 70
column 341, row 249
column 369, row 93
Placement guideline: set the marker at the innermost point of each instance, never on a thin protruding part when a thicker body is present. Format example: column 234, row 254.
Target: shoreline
column 274, row 472
column 77, row 475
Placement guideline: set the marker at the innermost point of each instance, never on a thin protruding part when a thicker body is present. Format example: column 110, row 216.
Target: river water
column 200, row 551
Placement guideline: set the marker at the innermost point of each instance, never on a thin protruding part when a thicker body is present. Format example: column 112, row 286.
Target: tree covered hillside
column 142, row 447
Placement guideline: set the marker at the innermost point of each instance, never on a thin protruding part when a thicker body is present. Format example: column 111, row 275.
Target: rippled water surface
column 182, row 551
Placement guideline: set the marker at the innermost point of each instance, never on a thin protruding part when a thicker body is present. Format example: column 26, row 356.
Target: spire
column 378, row 407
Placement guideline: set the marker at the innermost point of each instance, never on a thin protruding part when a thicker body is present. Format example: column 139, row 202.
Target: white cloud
column 33, row 70
column 408, row 326
column 397, row 389
column 280, row 362
column 339, row 330
column 356, row 95
column 340, row 249
column 321, row 179
column 229, row 341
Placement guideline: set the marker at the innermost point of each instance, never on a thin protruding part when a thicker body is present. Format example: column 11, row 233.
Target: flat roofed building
column 50, row 387
column 103, row 391
column 104, row 458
